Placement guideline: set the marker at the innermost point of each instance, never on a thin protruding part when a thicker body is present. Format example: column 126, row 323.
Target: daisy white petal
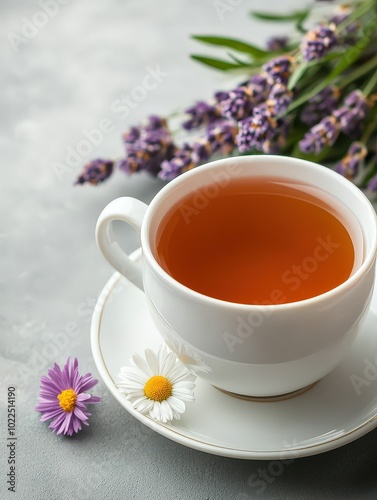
column 159, row 384
column 167, row 363
column 152, row 361
column 177, row 404
column 188, row 357
column 143, row 366
column 166, row 408
column 155, row 411
column 143, row 405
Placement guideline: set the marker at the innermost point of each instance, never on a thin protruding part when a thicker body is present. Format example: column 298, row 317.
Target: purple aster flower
column 324, row 134
column 201, row 113
column 277, row 43
column 256, row 130
column 320, row 105
column 279, row 99
column 147, row 147
column 350, row 164
column 96, row 172
column 179, row 163
column 318, row 41
column 372, row 184
column 238, row 104
column 63, row 398
column 278, row 70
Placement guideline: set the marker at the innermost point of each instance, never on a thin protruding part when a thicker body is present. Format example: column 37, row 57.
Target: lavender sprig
column 289, row 104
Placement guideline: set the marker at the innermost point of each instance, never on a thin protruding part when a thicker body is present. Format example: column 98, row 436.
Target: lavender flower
column 275, row 145
column 320, row 105
column 340, row 15
column 181, row 162
column 352, row 114
column 278, row 70
column 220, row 137
column 350, row 164
column 147, row 147
column 63, row 398
column 318, row 42
column 260, row 86
column 96, row 172
column 201, row 151
column 277, row 43
column 349, row 122
column 220, row 95
column 324, row 134
column 201, row 113
column 357, row 102
column 131, row 135
column 238, row 104
column 261, row 128
column 372, row 184
column 155, row 123
column 279, row 99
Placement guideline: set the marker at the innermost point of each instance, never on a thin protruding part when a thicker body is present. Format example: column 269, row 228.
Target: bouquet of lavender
column 312, row 98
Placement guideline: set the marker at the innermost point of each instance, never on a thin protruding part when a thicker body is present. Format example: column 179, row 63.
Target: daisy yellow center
column 158, row 388
column 67, row 399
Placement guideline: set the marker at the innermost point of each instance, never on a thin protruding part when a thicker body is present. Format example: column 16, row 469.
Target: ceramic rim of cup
column 325, row 172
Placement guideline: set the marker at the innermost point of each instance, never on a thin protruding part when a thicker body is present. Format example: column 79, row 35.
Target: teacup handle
column 128, row 210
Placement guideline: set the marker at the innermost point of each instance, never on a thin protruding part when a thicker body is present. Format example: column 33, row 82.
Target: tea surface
column 255, row 241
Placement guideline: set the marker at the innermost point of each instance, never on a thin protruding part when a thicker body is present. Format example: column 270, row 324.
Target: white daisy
column 158, row 385
column 188, row 357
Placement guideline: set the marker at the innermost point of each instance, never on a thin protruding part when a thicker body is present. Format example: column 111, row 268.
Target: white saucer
column 330, row 414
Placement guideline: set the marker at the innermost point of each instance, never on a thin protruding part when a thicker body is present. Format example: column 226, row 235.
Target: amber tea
column 256, row 241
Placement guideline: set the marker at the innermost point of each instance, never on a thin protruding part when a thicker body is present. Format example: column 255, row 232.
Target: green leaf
column 232, row 43
column 297, row 16
column 238, row 61
column 304, row 66
column 300, row 23
column 216, row 63
column 296, row 75
column 353, row 53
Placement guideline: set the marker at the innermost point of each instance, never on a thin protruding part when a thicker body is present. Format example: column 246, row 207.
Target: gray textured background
column 64, row 80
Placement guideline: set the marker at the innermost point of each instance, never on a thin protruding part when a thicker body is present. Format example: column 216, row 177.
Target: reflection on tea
column 255, row 241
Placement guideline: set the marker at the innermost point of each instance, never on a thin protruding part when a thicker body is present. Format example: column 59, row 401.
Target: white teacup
column 250, row 350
